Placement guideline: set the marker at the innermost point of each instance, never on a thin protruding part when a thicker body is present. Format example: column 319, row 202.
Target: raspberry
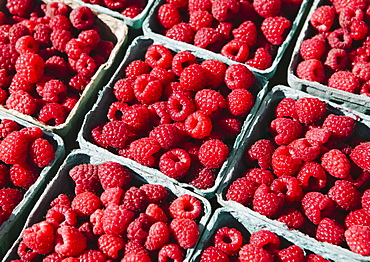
column 283, row 163
column 362, row 71
column 85, row 203
column 112, row 174
column 213, row 153
column 112, row 195
column 358, row 29
column 134, row 199
column 357, row 217
column 259, row 176
column 345, row 81
column 30, row 66
column 39, row 237
column 364, row 200
column 136, row 117
column 293, row 218
column 138, row 229
column 198, row 125
column 262, row 151
column 180, row 106
column 341, row 127
column 241, row 190
column 52, row 114
column 168, row 15
column 155, row 213
column 266, row 202
column 91, row 255
column 4, row 175
column 57, row 66
column 336, row 163
column 328, row 230
column 25, row 253
column 147, row 89
column 240, row 102
column 185, row 232
column 275, row 29
column 340, row 38
column 246, row 32
column 315, row 258
column 193, row 78
column 200, row 19
column 136, row 68
column 111, row 245
column 144, row 151
column 136, row 257
column 82, row 18
column 114, row 134
column 163, row 75
column 212, row 253
column 69, row 241
column 159, row 114
column 26, row 44
column 78, row 82
column 318, row 136
column 323, row 18
column 62, row 199
column 19, row 7
column 7, row 126
column 170, row 251
column 303, row 149
column 286, row 108
column 340, row 5
column 86, row 65
column 116, row 219
column 41, row 152
column 60, row 22
column 159, row 235
column 52, row 90
column 185, row 207
column 261, row 60
column 228, row 240
column 208, row 38
column 239, row 76
column 285, row 130
column 154, row 193
column 250, row 252
column 123, row 89
column 345, row 195
column 336, row 59
column 61, row 214
column 181, row 60
column 56, row 8
column 59, row 39
column 312, row 176
column 310, row 110
column 195, row 5
column 224, row 10
column 85, row 177
column 357, row 237
column 313, row 48
column 291, row 253
column 209, row 101
column 167, row 135
column 23, row 175
column 236, row 50
column 14, row 148
column 17, row 31
column 359, row 155
column 8, row 57
column 311, row 70
column 175, row 163
column 289, row 186
column 316, row 206
column 158, row 55
column 182, row 32
column 202, row 178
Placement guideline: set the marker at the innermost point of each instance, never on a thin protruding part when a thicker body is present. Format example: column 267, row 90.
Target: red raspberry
column 136, row 257
column 158, row 236
column 85, row 203
column 318, row 136
column 195, row 5
column 193, row 78
column 41, row 152
column 239, row 76
column 200, row 19
column 291, row 253
column 26, row 44
column 230, row 126
column 115, row 134
column 147, row 89
column 336, row 163
column 209, row 101
column 8, row 57
column 225, row 10
column 198, row 125
column 123, row 89
column 175, row 163
column 69, row 241
column 116, row 219
column 22, row 102
column 181, row 60
column 159, row 114
column 61, row 214
column 266, row 202
column 9, row 199
column 293, row 218
column 180, row 106
column 212, row 253
column 215, row 71
column 4, row 175
column 261, row 60
column 313, row 48
column 259, row 176
column 312, row 176
column 365, row 200
column 345, row 81
column 241, row 190
column 213, row 153
column 262, row 151
column 208, row 38
column 336, row 59
column 30, row 66
column 91, row 255
column 42, row 34
column 59, row 38
column 202, row 178
column 136, row 68
column 86, row 65
column 57, row 66
column 250, row 252
column 82, row 18
column 96, row 220
column 283, row 163
column 357, row 237
column 275, row 29
column 138, row 229
column 182, row 32
column 340, row 38
column 341, row 127
column 358, row 29
column 154, row 193
column 357, row 217
column 155, row 213
column 23, row 175
column 303, row 149
column 25, row 253
column 163, row 75
column 315, row 258
column 136, row 117
column 60, row 22
column 56, row 8
column 78, row 82
column 16, row 31
column 144, row 151
column 111, row 245
column 267, row 8
column 52, row 114
column 311, row 70
column 85, row 177
column 52, row 91
column 340, row 5
column 112, row 195
column 112, row 174
column 19, row 7
column 289, row 186
column 168, row 15
column 134, row 199
column 170, row 251
column 167, row 135
column 39, row 237
column 158, row 55
column 285, row 130
column 246, row 32
column 360, row 155
column 186, row 207
column 323, row 18
column 286, row 108
column 236, row 50
column 310, row 110
column 14, row 148
column 361, row 70
column 7, row 126
column 316, row 206
column 228, row 240
column 345, row 195
column 328, row 230
column 185, row 232
column 240, row 102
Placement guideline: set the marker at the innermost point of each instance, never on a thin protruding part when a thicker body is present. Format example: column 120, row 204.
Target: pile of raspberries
column 127, row 8
column 111, row 218
column 312, row 173
column 337, row 53
column 177, row 114
column 49, row 54
column 24, row 152
column 244, row 31
column 230, row 244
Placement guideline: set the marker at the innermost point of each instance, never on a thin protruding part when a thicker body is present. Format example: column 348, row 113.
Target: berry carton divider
column 357, row 102
column 63, row 184
column 245, row 224
column 10, row 229
column 99, row 111
column 151, row 28
column 113, row 30
column 260, row 130
column 134, row 23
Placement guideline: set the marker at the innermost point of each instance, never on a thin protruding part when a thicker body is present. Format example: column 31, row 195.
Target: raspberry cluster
column 110, row 217
column 24, row 151
column 242, row 31
column 336, row 54
column 127, row 8
column 49, row 54
column 177, row 114
column 311, row 173
column 229, row 244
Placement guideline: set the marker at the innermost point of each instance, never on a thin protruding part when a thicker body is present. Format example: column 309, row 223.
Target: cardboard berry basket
column 152, row 28
column 98, row 113
column 260, row 130
column 244, row 223
column 11, row 227
column 113, row 30
column 359, row 102
column 62, row 183
column 134, row 23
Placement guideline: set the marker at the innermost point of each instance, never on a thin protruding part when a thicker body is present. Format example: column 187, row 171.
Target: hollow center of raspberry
column 226, row 239
column 188, row 207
